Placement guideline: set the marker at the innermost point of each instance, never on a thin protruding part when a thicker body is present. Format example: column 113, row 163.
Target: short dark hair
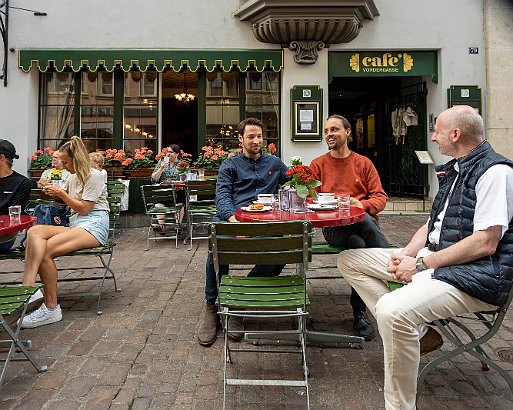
column 175, row 148
column 249, row 121
column 345, row 122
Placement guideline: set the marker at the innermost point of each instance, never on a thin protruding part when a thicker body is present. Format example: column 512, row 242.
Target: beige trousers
column 399, row 314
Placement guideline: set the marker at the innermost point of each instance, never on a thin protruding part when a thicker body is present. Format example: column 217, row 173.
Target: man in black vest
column 14, row 189
column 460, row 261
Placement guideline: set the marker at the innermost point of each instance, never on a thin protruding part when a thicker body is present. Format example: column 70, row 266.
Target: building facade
column 114, row 75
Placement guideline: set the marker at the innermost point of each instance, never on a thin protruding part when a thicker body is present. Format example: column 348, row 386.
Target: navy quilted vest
column 488, row 279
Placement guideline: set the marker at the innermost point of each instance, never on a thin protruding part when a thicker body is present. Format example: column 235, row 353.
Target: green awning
column 394, row 63
column 175, row 59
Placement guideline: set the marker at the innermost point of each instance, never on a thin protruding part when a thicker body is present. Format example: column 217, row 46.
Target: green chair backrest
column 262, row 243
column 115, row 190
column 205, row 191
column 154, row 194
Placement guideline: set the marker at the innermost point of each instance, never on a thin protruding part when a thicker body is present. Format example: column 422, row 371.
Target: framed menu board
column 306, row 105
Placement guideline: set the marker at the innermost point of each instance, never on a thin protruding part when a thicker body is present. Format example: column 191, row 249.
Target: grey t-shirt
column 95, row 190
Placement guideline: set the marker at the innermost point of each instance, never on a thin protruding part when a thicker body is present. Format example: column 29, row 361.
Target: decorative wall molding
column 302, row 25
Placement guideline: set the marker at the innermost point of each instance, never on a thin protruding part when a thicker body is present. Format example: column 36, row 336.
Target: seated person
column 240, row 179
column 86, row 195
column 14, row 189
column 460, row 261
column 361, row 181
column 97, row 160
column 166, row 170
column 57, row 164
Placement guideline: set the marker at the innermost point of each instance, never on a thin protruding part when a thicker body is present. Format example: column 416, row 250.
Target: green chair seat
column 13, row 298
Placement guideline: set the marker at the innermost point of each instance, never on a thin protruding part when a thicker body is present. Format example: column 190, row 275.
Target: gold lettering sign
column 386, row 63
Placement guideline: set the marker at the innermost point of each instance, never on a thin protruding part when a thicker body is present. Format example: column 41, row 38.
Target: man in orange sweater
column 345, row 172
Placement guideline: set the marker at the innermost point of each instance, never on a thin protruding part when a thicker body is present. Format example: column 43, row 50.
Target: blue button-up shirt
column 241, row 179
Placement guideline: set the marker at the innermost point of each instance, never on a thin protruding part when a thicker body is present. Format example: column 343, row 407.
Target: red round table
column 319, row 219
column 5, row 224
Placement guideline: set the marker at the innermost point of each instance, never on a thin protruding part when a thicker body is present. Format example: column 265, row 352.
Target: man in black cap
column 14, row 189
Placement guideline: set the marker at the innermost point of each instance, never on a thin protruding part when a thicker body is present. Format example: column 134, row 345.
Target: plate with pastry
column 257, row 207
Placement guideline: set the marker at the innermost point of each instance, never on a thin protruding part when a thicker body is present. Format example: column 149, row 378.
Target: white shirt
column 494, row 201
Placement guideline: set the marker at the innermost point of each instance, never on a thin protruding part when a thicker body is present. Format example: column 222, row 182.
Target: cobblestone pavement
column 142, row 352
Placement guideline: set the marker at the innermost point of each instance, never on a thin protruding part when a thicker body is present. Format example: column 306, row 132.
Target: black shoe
column 362, row 326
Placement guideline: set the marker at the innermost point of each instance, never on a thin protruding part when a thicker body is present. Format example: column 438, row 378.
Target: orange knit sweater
column 354, row 175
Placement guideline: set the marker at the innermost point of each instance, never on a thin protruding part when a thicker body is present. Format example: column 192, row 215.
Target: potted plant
column 210, row 158
column 115, row 161
column 302, row 184
column 183, row 168
column 270, row 149
column 142, row 163
column 39, row 161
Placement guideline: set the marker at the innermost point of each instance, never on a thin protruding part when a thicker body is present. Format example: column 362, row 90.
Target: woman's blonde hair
column 97, row 158
column 76, row 149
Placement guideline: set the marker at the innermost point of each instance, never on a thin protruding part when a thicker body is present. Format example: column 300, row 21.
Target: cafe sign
column 383, row 63
column 386, row 63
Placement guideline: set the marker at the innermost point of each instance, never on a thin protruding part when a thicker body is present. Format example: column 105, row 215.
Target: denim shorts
column 95, row 222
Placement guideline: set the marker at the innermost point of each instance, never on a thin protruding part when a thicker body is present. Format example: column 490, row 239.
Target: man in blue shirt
column 239, row 181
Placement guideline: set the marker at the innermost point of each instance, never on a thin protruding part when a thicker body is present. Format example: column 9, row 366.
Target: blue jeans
column 365, row 234
column 211, row 282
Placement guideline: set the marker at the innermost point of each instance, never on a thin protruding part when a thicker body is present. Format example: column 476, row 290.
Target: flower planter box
column 139, row 173
column 35, row 173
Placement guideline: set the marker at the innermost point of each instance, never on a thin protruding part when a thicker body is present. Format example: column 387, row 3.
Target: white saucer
column 326, row 203
column 321, row 207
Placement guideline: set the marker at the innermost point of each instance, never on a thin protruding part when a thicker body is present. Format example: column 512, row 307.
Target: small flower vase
column 182, row 177
column 297, row 204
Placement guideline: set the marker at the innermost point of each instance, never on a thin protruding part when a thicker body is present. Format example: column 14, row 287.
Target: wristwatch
column 419, row 265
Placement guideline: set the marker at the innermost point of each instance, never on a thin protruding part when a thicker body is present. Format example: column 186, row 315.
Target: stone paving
column 142, row 352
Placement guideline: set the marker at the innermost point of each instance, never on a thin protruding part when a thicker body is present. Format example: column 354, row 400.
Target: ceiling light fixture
column 185, row 97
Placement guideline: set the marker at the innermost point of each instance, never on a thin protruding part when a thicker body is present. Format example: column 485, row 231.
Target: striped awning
column 153, row 59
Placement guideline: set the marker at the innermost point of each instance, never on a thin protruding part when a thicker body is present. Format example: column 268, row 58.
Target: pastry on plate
column 256, row 207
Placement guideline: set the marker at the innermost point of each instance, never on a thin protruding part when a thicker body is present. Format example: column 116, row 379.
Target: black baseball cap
column 8, row 149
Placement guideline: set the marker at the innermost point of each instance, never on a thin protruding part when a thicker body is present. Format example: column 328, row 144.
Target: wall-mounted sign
column 383, row 63
column 424, row 157
column 464, row 95
column 306, row 112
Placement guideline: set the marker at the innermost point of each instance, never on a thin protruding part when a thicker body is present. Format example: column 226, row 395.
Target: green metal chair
column 464, row 334
column 200, row 197
column 263, row 297
column 104, row 253
column 163, row 211
column 12, row 300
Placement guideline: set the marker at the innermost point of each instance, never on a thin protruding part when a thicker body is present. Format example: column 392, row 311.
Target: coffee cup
column 325, row 198
column 265, row 198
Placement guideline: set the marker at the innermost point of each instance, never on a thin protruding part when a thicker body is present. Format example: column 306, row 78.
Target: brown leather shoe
column 430, row 341
column 235, row 323
column 207, row 332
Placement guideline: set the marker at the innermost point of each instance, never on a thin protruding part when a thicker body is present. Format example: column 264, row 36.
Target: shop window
column 57, row 101
column 263, row 102
column 222, row 108
column 140, row 110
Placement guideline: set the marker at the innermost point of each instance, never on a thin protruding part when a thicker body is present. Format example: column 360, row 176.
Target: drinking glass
column 284, row 199
column 201, row 174
column 275, row 202
column 344, row 201
column 15, row 214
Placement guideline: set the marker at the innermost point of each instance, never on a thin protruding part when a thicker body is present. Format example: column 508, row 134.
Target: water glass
column 284, row 199
column 15, row 214
column 201, row 174
column 275, row 202
column 344, row 201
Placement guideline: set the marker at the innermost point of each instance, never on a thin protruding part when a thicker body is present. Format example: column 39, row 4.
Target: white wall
column 448, row 26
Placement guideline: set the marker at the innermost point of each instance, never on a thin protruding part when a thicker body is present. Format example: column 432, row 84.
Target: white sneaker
column 36, row 296
column 42, row 316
